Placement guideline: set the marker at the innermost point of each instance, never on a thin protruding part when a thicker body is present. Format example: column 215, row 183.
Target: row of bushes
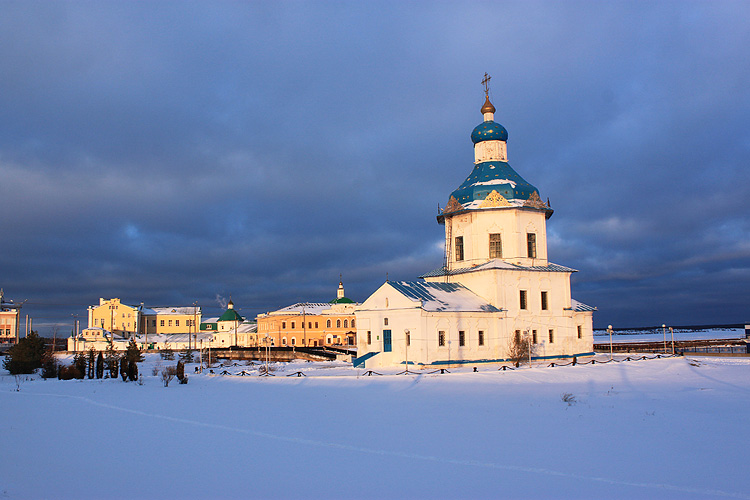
column 30, row 354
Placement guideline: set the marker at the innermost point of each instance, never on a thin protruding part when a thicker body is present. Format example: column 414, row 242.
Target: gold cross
column 486, row 83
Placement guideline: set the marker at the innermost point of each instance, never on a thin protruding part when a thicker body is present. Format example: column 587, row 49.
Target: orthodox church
column 495, row 285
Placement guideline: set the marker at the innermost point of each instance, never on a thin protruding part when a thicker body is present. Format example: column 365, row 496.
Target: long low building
column 311, row 324
column 177, row 328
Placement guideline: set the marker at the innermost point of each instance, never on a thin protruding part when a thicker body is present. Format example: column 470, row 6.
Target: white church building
column 496, row 282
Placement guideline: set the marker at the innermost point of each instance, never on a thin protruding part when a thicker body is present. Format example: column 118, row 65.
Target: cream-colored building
column 496, row 282
column 9, row 320
column 311, row 323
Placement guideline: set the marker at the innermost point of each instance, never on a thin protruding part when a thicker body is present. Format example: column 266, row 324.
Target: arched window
column 328, row 323
column 346, row 323
column 283, row 341
column 352, row 323
column 338, row 323
column 294, row 341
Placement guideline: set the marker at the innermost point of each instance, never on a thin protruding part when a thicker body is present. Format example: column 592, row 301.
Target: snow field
column 667, row 428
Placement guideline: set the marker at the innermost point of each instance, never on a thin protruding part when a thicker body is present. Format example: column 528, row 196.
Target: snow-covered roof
column 247, row 327
column 171, row 310
column 449, row 297
column 499, row 264
column 304, row 307
column 580, row 306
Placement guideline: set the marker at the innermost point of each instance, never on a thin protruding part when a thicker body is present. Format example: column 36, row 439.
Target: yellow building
column 311, row 323
column 125, row 320
column 167, row 320
column 9, row 324
column 159, row 328
column 114, row 316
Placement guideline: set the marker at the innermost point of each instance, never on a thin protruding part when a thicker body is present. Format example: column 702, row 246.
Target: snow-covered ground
column 601, row 336
column 660, row 428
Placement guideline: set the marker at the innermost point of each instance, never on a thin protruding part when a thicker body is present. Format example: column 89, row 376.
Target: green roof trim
column 342, row 300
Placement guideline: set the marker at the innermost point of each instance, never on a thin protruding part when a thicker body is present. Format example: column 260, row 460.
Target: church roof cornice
column 498, row 264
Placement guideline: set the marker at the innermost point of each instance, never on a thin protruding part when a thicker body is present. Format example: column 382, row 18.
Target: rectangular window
column 316, row 324
column 385, row 321
column 481, row 337
column 369, row 337
column 459, row 248
column 544, row 301
column 441, row 338
column 170, row 322
column 461, row 338
column 309, row 324
column 531, row 245
column 496, row 246
column 523, row 299
column 153, row 322
column 292, row 325
column 580, row 333
column 551, row 336
column 161, row 322
column 177, row 322
column 533, row 336
column 283, row 325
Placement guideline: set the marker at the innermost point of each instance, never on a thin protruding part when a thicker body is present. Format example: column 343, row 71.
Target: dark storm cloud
column 172, row 152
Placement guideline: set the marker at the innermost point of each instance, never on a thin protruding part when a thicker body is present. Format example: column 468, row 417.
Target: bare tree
column 520, row 348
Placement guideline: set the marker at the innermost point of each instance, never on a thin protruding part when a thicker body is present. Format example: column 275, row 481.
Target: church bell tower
column 495, row 214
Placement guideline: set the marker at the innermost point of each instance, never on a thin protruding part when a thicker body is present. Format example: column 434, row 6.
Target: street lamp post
column 267, row 341
column 664, row 330
column 609, row 329
column 671, row 332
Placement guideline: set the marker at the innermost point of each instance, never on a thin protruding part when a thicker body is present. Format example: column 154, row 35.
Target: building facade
column 159, row 328
column 311, row 324
column 496, row 283
column 126, row 320
column 9, row 320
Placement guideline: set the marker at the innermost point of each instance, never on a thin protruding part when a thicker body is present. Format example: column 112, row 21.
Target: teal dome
column 489, row 131
column 493, row 176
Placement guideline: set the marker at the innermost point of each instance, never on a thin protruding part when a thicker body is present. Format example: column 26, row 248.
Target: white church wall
column 513, row 225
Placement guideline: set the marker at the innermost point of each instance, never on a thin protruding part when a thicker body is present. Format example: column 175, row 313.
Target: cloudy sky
column 181, row 152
